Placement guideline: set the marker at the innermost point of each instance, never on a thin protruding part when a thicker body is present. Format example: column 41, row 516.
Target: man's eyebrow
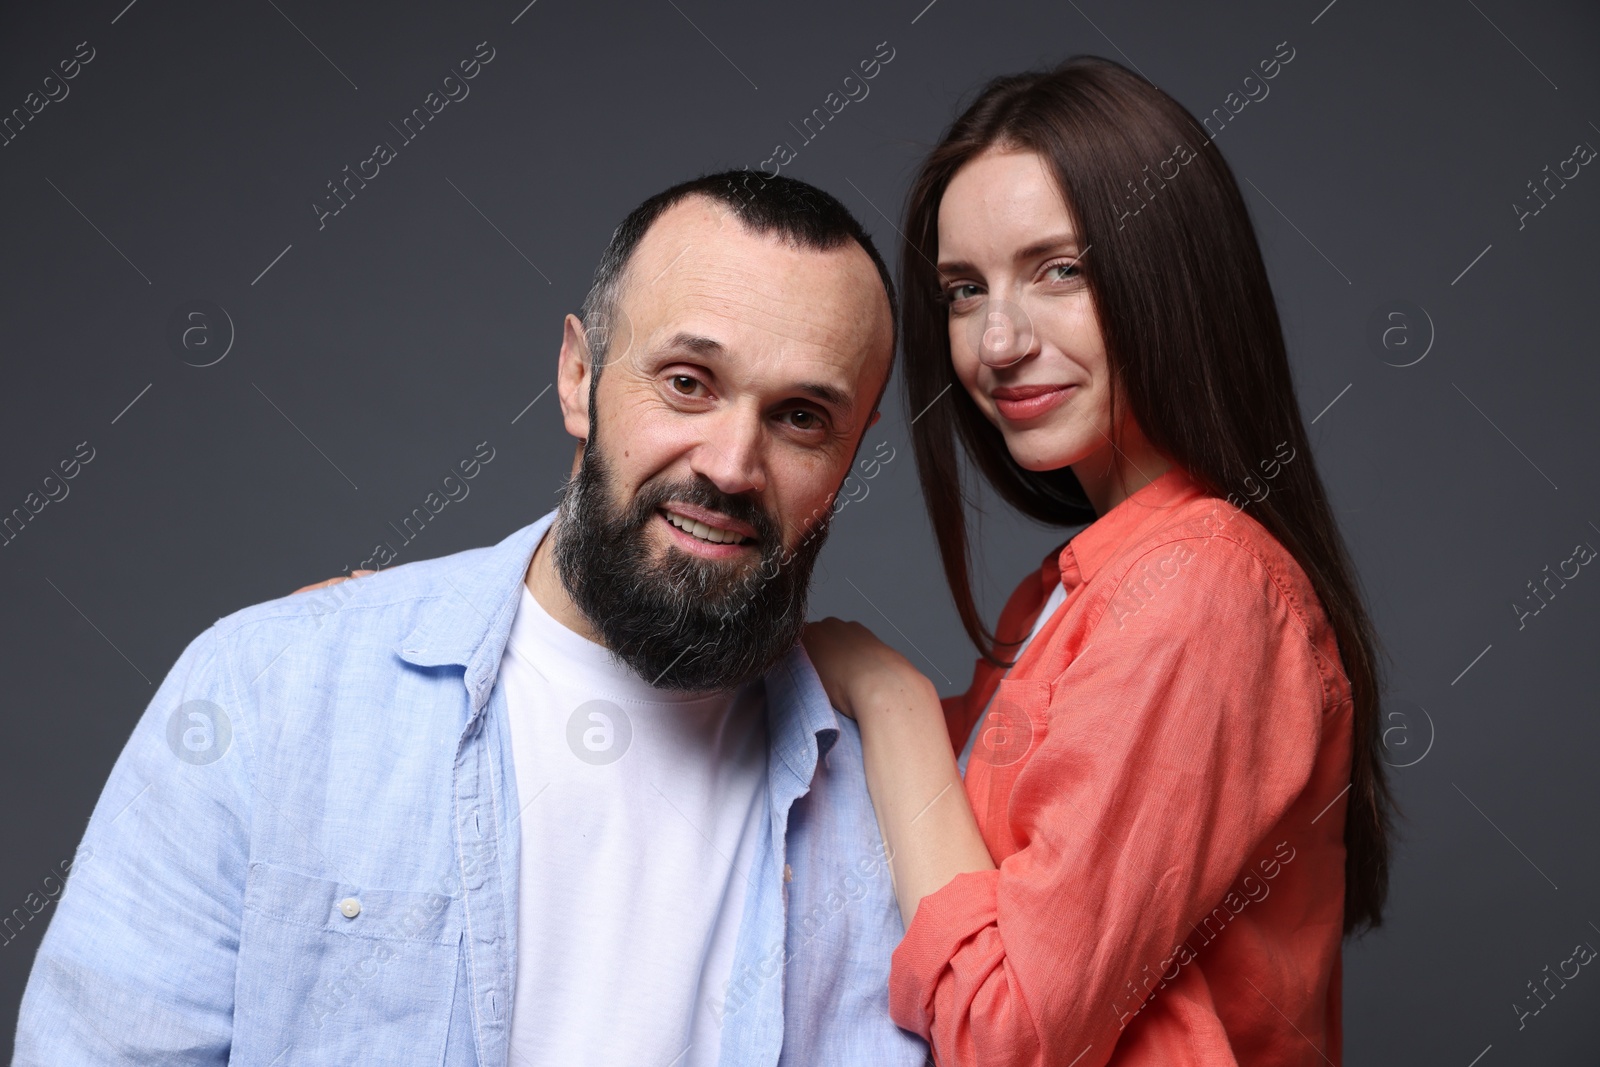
column 1050, row 244
column 828, row 394
column 696, row 343
column 701, row 345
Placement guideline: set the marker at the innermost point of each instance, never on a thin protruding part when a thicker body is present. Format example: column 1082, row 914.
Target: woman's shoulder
column 1214, row 572
column 1216, row 550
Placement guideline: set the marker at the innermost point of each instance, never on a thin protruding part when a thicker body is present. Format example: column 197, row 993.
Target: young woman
column 1173, row 808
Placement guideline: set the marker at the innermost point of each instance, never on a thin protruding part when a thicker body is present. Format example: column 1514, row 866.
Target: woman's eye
column 960, row 296
column 1062, row 272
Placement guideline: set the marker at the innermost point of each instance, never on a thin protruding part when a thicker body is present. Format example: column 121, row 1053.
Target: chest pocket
column 331, row 973
column 1006, row 736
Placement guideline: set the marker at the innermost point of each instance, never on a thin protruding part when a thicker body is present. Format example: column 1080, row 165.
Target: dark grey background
column 378, row 351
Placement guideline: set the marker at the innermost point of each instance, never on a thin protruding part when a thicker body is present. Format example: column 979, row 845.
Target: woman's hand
column 917, row 795
column 332, row 581
column 851, row 660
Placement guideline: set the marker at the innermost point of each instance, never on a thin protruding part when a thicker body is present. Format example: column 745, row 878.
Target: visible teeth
column 706, row 533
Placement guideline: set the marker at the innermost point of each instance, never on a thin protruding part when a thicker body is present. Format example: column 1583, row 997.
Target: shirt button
column 788, row 873
column 349, row 907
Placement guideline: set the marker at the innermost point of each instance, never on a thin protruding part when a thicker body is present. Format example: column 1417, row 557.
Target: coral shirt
column 1161, row 781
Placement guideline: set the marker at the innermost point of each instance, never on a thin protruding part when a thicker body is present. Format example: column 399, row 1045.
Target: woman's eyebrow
column 1059, row 243
column 1050, row 244
column 958, row 266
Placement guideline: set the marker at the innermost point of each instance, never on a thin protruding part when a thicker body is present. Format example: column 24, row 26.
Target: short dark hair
column 787, row 207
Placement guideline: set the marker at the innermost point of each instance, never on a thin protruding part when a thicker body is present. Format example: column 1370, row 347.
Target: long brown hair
column 1194, row 344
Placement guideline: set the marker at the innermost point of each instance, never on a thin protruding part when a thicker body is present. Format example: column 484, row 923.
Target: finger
column 320, row 585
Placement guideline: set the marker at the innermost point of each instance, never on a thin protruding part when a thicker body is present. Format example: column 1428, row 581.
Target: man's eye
column 684, row 383
column 807, row 420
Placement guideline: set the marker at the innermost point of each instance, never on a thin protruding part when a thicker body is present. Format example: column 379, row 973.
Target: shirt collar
column 801, row 721
column 469, row 623
column 1143, row 510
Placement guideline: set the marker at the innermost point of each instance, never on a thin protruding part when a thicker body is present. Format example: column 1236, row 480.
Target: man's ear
column 572, row 378
column 876, row 415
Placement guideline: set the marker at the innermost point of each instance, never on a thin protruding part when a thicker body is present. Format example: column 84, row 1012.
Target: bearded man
column 578, row 797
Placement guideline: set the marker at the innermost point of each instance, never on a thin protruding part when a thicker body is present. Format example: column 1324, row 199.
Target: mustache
column 702, row 493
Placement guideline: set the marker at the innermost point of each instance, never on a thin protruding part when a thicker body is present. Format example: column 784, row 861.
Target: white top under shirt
column 633, row 871
column 1057, row 595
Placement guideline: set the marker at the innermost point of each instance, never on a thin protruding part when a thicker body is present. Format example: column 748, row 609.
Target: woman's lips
column 1030, row 401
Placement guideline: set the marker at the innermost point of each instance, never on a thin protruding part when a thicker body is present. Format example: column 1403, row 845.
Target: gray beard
column 684, row 623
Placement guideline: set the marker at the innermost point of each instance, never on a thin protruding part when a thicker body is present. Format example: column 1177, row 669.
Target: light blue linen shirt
column 307, row 854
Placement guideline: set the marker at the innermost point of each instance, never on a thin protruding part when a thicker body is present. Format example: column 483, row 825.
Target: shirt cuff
column 944, row 922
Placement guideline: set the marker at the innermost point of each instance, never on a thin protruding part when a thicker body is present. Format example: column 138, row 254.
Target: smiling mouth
column 1026, row 402
column 701, row 531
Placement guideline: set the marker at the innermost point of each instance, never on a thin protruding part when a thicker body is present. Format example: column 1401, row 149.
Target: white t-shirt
column 640, row 809
column 1054, row 601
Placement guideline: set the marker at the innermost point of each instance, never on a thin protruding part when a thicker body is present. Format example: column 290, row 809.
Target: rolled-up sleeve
column 1165, row 747
column 137, row 964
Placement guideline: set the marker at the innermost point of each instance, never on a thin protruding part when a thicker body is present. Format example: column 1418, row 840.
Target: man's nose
column 731, row 451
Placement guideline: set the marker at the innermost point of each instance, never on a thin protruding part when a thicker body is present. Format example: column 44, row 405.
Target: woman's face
column 1023, row 332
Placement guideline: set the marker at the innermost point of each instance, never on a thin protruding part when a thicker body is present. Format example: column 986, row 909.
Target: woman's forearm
column 916, row 788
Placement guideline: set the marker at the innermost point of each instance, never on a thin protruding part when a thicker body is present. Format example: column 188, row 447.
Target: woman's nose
column 1004, row 335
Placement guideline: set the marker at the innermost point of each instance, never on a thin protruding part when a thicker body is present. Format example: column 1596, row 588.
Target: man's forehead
column 699, row 270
